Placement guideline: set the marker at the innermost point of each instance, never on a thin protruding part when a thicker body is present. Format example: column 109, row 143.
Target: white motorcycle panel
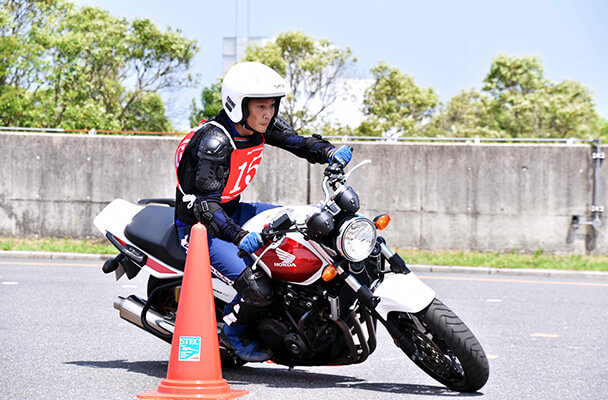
column 223, row 291
column 116, row 216
column 404, row 293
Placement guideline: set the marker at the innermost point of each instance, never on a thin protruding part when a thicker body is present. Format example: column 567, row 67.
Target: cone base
column 179, row 389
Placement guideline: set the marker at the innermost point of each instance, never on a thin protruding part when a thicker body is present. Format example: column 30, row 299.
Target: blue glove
column 342, row 155
column 251, row 243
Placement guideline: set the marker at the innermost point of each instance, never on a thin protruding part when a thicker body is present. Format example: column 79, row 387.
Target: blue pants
column 225, row 263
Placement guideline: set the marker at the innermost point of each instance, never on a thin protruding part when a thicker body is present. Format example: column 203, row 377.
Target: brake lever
column 362, row 163
column 272, row 244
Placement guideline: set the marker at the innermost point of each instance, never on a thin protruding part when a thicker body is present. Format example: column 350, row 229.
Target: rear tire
column 438, row 342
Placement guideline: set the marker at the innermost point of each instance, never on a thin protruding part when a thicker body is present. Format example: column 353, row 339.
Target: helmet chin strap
column 245, row 125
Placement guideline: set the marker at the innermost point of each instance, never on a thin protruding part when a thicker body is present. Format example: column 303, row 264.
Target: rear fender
column 403, row 293
column 116, row 216
column 113, row 219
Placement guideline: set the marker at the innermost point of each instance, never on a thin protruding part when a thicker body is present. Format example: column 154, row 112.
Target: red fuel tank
column 292, row 262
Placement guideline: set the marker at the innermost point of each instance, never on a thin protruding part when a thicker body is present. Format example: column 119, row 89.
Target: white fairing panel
column 223, row 291
column 296, row 213
column 116, row 216
column 404, row 293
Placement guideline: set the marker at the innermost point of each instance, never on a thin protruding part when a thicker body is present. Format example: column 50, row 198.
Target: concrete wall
column 499, row 197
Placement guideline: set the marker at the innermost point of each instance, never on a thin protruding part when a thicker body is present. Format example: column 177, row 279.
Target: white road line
column 44, row 264
column 544, row 335
column 535, row 282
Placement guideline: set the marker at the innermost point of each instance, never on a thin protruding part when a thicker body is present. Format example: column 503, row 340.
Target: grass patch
column 62, row 245
column 537, row 260
column 438, row 257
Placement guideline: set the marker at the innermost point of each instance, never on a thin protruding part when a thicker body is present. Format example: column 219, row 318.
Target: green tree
column 518, row 101
column 570, row 111
column 211, row 100
column 518, row 89
column 394, row 105
column 525, row 103
column 147, row 110
column 312, row 69
column 158, row 60
column 602, row 128
column 71, row 67
column 468, row 114
column 25, row 29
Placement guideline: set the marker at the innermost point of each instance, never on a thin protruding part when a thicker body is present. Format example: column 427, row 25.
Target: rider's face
column 261, row 112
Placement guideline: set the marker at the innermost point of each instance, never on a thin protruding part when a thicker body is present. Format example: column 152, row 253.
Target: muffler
column 131, row 308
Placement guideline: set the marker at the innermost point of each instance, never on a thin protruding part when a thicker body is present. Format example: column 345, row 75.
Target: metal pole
column 236, row 29
column 598, row 156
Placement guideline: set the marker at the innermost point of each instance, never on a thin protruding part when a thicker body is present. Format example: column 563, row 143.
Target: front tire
column 438, row 342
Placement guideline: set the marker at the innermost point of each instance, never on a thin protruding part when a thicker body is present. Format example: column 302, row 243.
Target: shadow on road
column 281, row 378
column 284, row 378
column 151, row 368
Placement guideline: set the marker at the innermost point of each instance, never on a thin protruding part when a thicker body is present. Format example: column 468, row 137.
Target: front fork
column 365, row 295
column 396, row 263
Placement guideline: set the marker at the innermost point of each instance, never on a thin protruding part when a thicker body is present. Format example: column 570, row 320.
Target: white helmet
column 250, row 80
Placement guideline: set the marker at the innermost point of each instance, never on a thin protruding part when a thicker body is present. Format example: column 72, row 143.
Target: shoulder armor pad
column 214, row 143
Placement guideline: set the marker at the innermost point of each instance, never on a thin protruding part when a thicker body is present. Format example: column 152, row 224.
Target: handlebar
column 277, row 228
column 333, row 174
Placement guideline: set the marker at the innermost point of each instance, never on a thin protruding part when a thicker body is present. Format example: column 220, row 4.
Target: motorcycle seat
column 153, row 230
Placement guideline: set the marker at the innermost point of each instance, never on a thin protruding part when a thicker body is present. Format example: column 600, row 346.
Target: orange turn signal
column 382, row 221
column 329, row 273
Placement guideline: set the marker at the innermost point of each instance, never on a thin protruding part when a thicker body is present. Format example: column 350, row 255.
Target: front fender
column 404, row 293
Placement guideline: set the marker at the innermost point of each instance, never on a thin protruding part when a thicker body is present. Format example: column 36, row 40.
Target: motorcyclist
column 218, row 163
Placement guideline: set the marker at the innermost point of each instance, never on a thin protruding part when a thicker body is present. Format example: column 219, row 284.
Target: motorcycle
column 334, row 280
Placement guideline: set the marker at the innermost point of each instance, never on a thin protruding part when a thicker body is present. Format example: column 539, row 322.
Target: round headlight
column 356, row 239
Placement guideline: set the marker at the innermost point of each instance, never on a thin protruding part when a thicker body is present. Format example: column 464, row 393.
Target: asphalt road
column 546, row 338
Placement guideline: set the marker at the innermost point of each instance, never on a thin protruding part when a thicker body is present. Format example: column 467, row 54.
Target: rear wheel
column 438, row 342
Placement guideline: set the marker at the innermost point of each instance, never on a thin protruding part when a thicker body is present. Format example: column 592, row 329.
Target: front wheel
column 438, row 342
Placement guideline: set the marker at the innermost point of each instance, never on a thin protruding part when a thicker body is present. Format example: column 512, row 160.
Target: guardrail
column 475, row 140
column 92, row 131
column 345, row 138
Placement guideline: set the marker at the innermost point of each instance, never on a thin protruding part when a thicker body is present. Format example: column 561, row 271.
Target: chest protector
column 244, row 164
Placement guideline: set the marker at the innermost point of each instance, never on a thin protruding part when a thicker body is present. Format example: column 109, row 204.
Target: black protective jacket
column 205, row 166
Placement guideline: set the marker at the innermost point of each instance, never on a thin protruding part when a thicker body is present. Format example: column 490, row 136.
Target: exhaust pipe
column 130, row 310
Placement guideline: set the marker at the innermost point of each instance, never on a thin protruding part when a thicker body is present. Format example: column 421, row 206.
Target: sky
column 447, row 45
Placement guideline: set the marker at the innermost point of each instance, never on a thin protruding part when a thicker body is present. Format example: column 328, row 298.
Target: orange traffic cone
column 195, row 369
